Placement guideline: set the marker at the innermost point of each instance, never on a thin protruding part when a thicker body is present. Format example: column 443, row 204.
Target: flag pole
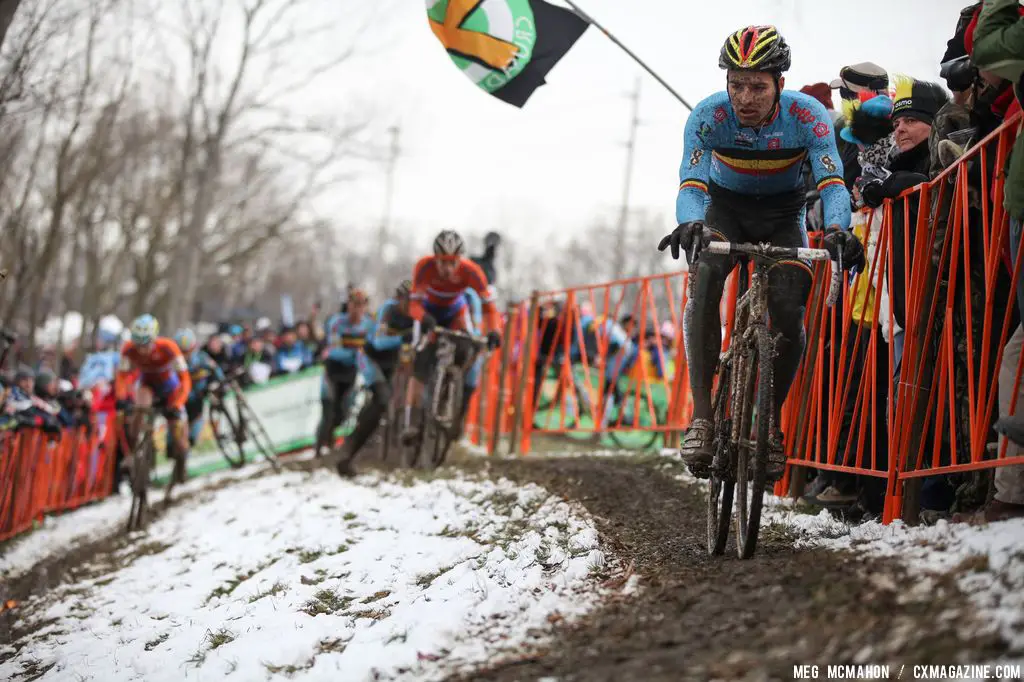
column 590, row 20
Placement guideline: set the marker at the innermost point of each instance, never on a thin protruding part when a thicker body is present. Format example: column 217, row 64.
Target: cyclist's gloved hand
column 123, row 405
column 406, row 335
column 427, row 323
column 836, row 239
column 683, row 238
column 493, row 340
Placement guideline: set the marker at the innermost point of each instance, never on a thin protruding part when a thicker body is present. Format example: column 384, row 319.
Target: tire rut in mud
column 700, row 618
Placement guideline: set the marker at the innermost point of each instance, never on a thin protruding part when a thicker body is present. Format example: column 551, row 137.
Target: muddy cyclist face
column 752, row 94
column 446, row 266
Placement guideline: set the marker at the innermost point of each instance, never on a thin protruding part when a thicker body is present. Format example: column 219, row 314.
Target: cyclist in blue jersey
column 203, row 370
column 346, row 335
column 391, row 332
column 741, row 178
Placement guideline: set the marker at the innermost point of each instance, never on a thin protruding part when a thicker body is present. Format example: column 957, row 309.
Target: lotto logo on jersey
column 821, row 130
column 801, row 114
column 720, row 114
column 774, row 143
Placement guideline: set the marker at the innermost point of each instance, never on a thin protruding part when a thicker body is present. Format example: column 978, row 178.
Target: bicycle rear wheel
column 225, row 431
column 256, row 433
column 752, row 457
column 642, row 437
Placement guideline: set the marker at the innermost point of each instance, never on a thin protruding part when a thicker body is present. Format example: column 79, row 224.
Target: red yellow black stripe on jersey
column 829, row 181
column 695, row 184
column 759, row 161
column 353, row 341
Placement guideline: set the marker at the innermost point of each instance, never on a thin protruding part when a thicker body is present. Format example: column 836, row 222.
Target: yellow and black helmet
column 756, row 48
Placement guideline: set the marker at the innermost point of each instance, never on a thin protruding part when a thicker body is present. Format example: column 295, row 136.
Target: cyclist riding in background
column 163, row 382
column 203, row 369
column 439, row 285
column 346, row 335
column 600, row 331
column 741, row 177
column 392, row 331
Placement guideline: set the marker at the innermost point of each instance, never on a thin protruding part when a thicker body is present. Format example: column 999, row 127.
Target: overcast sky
column 472, row 162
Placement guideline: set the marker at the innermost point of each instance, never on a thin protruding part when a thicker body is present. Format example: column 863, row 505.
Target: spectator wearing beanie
column 853, row 80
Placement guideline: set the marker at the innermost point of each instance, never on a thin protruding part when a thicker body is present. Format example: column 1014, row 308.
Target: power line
column 623, row 224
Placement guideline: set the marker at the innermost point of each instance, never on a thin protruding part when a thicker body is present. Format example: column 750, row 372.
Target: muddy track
column 701, row 618
column 696, row 617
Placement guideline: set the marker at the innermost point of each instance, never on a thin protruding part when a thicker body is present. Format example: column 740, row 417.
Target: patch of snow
column 986, row 561
column 61, row 533
column 307, row 577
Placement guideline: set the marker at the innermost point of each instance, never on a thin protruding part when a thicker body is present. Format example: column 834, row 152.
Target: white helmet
column 448, row 243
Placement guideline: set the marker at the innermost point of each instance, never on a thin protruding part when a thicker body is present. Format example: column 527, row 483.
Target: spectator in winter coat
column 292, row 355
column 999, row 48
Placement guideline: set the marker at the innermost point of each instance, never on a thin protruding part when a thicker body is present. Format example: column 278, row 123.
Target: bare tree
column 215, row 118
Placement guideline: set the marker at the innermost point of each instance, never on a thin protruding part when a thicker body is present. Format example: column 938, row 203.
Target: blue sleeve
column 377, row 338
column 826, row 166
column 215, row 369
column 695, row 168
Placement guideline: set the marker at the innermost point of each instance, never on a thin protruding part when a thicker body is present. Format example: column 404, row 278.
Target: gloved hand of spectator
column 683, row 238
column 124, row 405
column 837, row 240
column 493, row 340
column 872, row 193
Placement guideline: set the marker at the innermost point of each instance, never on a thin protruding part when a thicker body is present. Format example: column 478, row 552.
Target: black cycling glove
column 683, row 238
column 853, row 251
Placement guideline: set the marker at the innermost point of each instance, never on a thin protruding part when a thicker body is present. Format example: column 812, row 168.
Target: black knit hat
column 917, row 99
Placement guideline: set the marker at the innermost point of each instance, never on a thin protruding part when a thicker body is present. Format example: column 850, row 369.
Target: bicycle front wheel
column 752, row 460
column 723, row 482
column 142, row 456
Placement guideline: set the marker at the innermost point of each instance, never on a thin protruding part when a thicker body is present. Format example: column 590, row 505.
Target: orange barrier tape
column 43, row 474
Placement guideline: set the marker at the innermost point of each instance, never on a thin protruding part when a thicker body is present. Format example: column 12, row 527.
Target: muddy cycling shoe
column 409, row 437
column 776, row 457
column 345, row 468
column 696, row 448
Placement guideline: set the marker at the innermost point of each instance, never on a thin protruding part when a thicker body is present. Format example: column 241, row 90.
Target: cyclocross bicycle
column 456, row 351
column 744, row 398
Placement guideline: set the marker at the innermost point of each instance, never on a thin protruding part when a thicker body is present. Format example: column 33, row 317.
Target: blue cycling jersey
column 345, row 338
column 761, row 162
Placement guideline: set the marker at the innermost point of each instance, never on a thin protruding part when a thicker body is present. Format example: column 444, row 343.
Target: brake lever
column 837, row 276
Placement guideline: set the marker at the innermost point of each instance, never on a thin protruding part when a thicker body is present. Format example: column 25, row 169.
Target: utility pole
column 383, row 275
column 622, row 229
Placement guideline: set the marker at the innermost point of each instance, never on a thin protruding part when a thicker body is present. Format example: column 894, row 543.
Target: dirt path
column 700, row 618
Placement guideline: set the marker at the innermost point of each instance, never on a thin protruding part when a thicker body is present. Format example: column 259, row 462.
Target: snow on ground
column 59, row 534
column 306, row 577
column 987, row 561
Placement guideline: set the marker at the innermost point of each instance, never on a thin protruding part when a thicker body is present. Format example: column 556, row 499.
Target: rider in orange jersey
column 163, row 381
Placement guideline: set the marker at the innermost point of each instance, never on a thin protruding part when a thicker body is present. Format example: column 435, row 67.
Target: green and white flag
column 506, row 47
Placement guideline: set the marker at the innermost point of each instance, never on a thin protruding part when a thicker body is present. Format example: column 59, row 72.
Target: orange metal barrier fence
column 898, row 381
column 42, row 473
